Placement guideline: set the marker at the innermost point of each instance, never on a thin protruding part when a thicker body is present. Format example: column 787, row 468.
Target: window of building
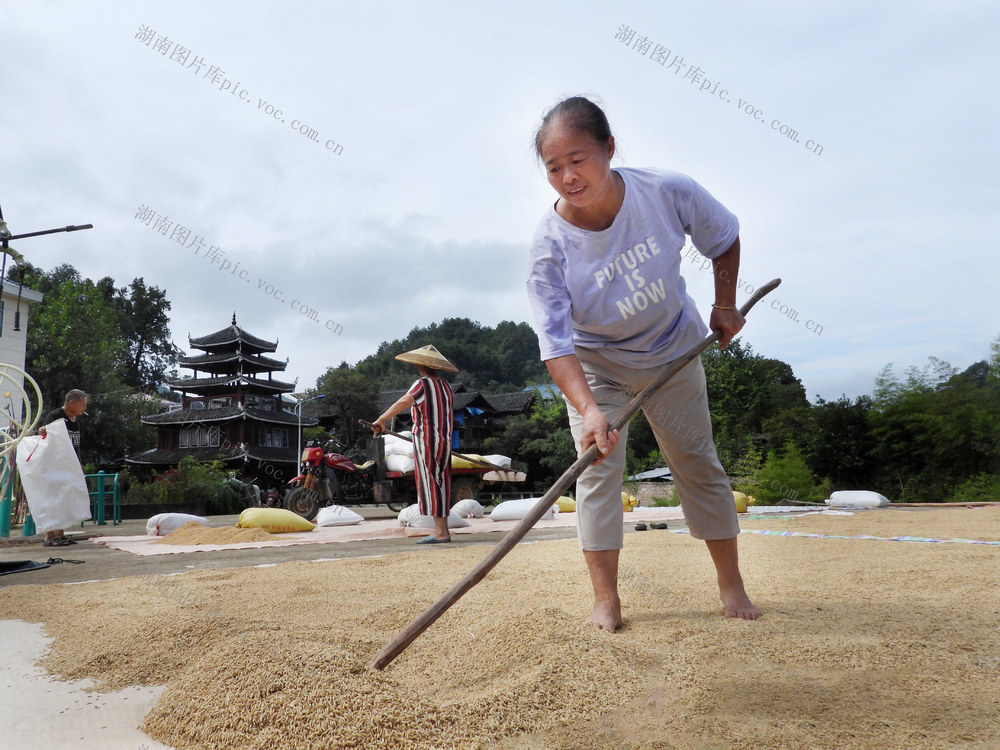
column 273, row 437
column 200, row 437
column 220, row 403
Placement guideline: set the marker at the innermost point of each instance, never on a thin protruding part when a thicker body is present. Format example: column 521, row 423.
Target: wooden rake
column 426, row 618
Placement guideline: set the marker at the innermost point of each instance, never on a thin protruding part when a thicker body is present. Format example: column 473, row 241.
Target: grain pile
column 863, row 644
column 195, row 533
column 982, row 523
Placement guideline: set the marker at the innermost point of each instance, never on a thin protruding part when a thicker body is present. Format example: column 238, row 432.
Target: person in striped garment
column 430, row 401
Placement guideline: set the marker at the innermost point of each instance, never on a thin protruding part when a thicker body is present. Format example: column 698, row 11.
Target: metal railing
column 98, row 499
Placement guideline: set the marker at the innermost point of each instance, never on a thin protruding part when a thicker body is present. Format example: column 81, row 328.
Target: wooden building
column 477, row 415
column 231, row 409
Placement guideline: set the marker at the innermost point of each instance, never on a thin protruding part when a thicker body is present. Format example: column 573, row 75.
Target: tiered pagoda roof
column 226, row 384
column 232, row 338
column 226, row 362
column 243, row 412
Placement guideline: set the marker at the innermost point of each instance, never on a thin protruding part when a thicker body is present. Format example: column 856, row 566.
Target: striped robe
column 433, row 416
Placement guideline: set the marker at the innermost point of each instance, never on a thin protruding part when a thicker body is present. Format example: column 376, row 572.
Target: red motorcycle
column 331, row 478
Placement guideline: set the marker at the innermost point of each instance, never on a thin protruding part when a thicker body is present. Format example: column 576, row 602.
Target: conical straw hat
column 427, row 356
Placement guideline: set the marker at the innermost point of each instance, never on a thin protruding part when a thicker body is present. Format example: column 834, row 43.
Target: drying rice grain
column 195, row 533
column 862, row 645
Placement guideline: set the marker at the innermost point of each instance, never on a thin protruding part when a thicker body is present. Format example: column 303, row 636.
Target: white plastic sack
column 515, row 510
column 856, row 499
column 166, row 523
column 497, row 460
column 397, row 462
column 468, row 509
column 337, row 515
column 395, row 446
column 410, row 517
column 53, row 479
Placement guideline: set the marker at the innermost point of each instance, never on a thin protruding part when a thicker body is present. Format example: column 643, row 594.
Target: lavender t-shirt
column 619, row 290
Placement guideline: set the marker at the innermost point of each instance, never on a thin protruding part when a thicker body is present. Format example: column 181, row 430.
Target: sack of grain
column 461, row 463
column 273, row 520
column 410, row 517
column 166, row 523
column 566, row 504
column 400, row 463
column 395, row 446
column 497, row 460
column 629, row 501
column 515, row 510
column 337, row 515
column 856, row 499
column 468, row 509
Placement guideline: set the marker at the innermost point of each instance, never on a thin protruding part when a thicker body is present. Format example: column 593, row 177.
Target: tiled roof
column 230, row 336
column 228, row 362
column 174, row 456
column 235, row 453
column 505, row 403
column 501, row 403
column 225, row 414
column 463, row 400
column 225, row 384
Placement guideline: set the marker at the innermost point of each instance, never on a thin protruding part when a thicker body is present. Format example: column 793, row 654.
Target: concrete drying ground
column 101, row 563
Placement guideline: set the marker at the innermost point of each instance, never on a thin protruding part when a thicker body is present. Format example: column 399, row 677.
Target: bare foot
column 737, row 604
column 607, row 615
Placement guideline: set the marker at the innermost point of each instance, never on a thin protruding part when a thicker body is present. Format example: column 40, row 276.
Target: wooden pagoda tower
column 231, row 409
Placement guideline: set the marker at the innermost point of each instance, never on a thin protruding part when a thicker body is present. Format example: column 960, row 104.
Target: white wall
column 12, row 348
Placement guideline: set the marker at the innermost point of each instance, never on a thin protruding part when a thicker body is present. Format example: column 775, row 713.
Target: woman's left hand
column 728, row 323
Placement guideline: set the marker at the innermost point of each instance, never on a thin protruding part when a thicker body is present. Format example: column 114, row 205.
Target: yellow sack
column 461, row 463
column 566, row 504
column 741, row 501
column 273, row 520
column 629, row 501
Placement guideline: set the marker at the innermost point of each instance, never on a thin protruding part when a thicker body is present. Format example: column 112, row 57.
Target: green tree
column 935, row 430
column 112, row 343
column 540, row 443
column 745, row 389
column 786, row 476
column 143, row 316
column 73, row 341
column 489, row 359
column 349, row 396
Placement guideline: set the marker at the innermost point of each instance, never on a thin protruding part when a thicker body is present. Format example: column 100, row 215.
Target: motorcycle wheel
column 304, row 502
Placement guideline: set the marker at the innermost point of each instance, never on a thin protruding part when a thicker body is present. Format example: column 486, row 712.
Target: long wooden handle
column 426, row 618
column 470, row 459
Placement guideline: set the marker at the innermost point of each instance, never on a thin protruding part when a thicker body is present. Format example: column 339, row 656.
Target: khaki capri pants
column 678, row 415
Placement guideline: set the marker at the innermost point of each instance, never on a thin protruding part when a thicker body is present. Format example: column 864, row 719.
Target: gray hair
column 75, row 395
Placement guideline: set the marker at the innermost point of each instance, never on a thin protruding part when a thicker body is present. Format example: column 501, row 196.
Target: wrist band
column 724, row 307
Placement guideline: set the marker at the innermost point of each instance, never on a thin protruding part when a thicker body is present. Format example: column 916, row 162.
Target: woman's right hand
column 597, row 430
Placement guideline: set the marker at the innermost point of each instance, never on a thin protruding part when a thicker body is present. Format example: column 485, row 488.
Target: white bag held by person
column 515, row 510
column 166, row 523
column 337, row 515
column 53, row 479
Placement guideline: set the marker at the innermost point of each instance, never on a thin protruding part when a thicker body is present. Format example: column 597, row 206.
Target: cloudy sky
column 412, row 191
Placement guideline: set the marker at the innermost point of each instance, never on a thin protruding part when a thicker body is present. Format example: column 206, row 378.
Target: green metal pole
column 100, row 498
column 7, row 503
